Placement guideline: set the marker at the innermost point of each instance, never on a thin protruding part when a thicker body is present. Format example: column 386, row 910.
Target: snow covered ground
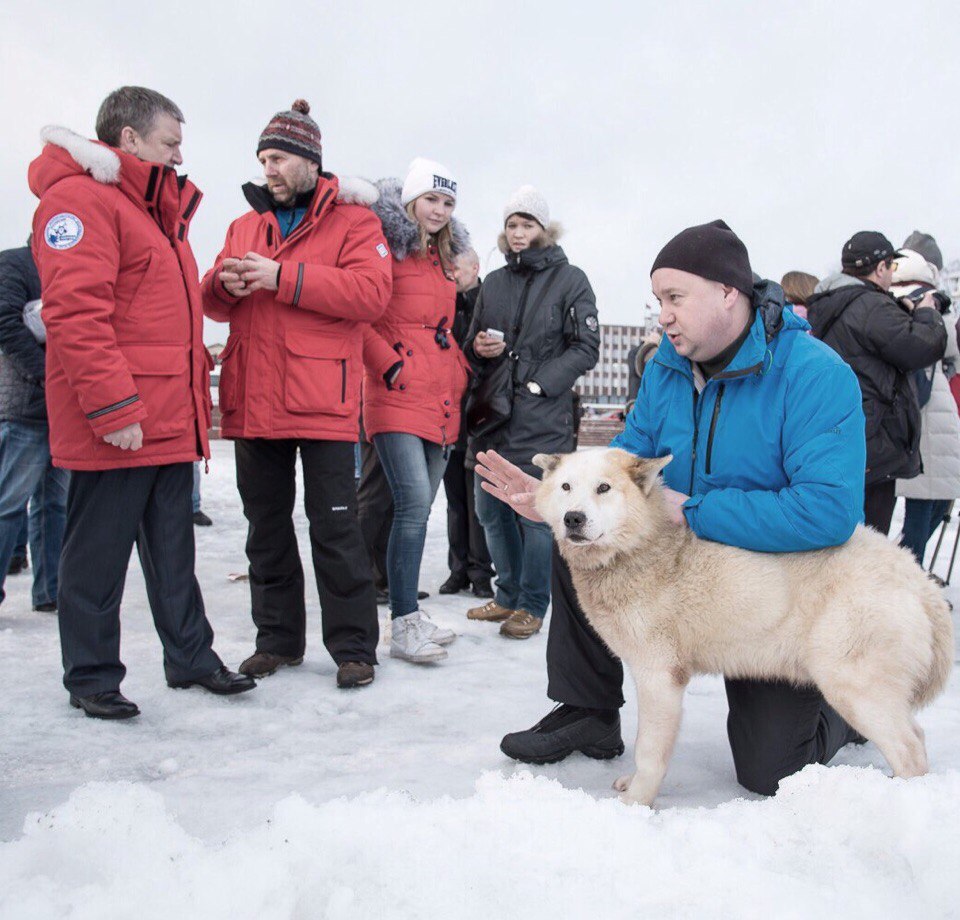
column 300, row 800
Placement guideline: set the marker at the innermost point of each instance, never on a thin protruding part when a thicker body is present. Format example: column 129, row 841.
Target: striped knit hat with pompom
column 295, row 132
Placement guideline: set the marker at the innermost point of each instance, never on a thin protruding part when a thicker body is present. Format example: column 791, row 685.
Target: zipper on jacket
column 693, row 452
column 343, row 380
column 713, row 425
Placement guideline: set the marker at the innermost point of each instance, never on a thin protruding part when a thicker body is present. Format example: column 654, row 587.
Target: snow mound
column 839, row 841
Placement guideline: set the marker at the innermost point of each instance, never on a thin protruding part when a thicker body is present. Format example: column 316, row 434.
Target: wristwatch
column 535, row 388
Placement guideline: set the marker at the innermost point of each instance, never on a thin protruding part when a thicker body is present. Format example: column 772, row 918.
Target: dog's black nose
column 574, row 520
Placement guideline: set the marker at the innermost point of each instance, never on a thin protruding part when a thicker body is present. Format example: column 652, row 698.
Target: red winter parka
column 415, row 329
column 293, row 363
column 121, row 305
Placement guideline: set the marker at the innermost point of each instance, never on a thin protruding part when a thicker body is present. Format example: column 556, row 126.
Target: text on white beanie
column 427, row 176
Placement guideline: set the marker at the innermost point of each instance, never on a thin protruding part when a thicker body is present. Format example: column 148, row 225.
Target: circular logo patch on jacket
column 63, row 231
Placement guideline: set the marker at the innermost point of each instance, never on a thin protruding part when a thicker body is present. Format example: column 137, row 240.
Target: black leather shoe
column 18, row 564
column 201, row 520
column 222, row 681
column 45, row 608
column 111, row 704
column 422, row 595
column 594, row 732
column 454, row 584
column 482, row 588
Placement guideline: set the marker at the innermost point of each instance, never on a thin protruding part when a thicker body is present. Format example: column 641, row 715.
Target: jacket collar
column 170, row 200
column 323, row 198
column 536, row 258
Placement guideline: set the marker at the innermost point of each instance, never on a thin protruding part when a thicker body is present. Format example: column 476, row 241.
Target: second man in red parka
column 299, row 277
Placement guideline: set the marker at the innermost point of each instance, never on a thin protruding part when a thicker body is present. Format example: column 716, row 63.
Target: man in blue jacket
column 767, row 435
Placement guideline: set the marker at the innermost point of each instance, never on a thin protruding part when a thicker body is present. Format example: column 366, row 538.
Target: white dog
column 861, row 621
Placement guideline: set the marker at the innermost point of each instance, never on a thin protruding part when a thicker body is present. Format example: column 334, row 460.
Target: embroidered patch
column 592, row 323
column 63, row 231
column 384, row 252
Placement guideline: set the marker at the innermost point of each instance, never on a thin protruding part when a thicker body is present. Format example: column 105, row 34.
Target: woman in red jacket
column 415, row 375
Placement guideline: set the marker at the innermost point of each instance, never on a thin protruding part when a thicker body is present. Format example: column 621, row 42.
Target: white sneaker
column 438, row 634
column 410, row 640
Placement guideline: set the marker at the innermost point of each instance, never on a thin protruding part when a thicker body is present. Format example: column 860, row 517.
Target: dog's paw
column 628, row 799
column 623, row 783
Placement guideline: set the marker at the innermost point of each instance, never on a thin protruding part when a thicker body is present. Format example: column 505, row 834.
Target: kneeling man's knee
column 758, row 777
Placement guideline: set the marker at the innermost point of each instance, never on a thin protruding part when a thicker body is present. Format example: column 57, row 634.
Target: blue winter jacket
column 773, row 450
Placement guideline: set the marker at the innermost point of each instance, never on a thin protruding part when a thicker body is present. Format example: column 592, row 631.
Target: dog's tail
column 941, row 639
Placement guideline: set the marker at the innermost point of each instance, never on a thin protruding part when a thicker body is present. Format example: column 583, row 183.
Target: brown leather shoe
column 354, row 674
column 492, row 612
column 263, row 664
column 521, row 625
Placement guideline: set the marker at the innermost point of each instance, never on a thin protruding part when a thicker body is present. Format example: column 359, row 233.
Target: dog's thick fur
column 861, row 621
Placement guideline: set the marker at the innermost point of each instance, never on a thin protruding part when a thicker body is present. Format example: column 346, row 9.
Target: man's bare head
column 466, row 270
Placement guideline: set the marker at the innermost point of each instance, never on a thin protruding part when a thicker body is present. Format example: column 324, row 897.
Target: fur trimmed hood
column 403, row 234
column 551, row 236
column 92, row 156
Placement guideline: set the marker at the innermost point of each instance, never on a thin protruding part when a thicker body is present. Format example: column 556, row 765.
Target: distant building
column 606, row 384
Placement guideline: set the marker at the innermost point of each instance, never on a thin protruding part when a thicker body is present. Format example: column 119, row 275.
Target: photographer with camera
column 928, row 496
column 883, row 339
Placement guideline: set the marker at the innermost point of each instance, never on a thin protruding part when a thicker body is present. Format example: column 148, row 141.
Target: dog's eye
column 565, row 487
column 603, row 487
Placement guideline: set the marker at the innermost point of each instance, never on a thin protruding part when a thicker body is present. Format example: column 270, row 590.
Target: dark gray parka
column 560, row 342
column 23, row 358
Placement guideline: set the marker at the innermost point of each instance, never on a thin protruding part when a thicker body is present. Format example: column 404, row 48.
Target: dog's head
column 600, row 502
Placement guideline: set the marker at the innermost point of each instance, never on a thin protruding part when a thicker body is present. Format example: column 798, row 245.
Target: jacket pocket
column 320, row 375
column 162, row 375
column 231, row 375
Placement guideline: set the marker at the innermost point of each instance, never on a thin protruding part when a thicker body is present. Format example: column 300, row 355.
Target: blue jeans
column 521, row 551
column 195, row 497
column 921, row 519
column 27, row 475
column 20, row 550
column 413, row 468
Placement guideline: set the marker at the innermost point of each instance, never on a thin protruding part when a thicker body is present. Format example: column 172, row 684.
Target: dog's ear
column 547, row 462
column 644, row 470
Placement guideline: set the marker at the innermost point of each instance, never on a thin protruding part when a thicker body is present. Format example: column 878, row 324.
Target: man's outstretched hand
column 507, row 482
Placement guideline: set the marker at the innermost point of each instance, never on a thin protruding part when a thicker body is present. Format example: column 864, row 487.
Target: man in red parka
column 127, row 390
column 299, row 278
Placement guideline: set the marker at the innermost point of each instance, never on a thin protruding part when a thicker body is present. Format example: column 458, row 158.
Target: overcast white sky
column 797, row 123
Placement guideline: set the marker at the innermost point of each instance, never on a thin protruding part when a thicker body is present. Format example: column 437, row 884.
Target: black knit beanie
column 712, row 251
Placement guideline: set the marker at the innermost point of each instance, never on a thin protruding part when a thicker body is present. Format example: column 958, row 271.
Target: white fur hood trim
column 101, row 162
column 354, row 190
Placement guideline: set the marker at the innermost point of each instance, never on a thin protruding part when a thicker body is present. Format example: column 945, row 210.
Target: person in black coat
column 26, row 473
column 546, row 312
column 468, row 557
column 883, row 340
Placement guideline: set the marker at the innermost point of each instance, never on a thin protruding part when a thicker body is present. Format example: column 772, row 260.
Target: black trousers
column 774, row 728
column 468, row 556
column 266, row 478
column 879, row 500
column 375, row 508
column 107, row 512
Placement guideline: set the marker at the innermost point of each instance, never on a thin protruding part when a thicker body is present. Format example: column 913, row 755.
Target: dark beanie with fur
column 712, row 251
column 294, row 131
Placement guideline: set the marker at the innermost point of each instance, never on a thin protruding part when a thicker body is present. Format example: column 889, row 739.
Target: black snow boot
column 594, row 732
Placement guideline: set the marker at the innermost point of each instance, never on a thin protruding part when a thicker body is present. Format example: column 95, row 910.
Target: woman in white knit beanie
column 540, row 314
